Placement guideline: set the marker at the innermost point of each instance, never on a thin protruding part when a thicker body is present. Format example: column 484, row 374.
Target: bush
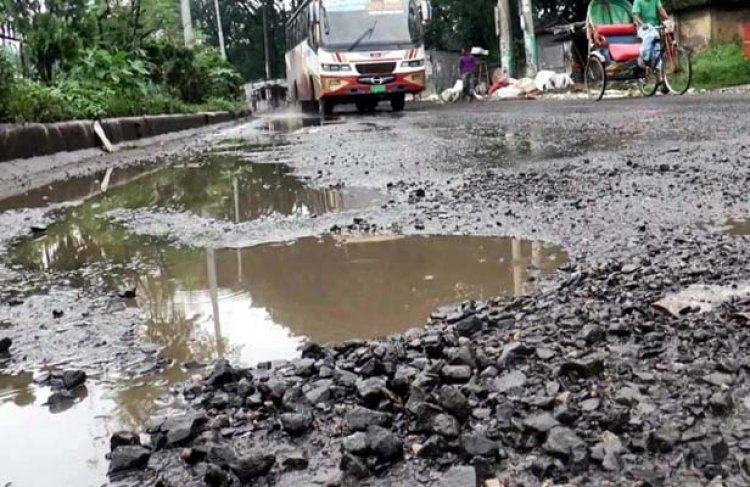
column 721, row 65
column 34, row 102
column 7, row 78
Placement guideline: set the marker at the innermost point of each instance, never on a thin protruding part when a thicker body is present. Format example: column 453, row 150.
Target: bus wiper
column 365, row 34
column 326, row 23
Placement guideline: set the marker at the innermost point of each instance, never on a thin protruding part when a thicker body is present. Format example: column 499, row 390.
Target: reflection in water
column 260, row 303
column 41, row 449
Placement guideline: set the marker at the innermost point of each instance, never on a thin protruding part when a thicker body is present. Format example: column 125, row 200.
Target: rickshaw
column 615, row 49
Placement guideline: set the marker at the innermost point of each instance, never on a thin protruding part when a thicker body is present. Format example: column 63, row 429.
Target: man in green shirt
column 649, row 12
column 647, row 15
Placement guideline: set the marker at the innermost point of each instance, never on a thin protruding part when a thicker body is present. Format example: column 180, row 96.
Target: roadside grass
column 719, row 66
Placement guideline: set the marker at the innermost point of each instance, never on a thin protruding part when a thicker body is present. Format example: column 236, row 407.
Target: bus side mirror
column 425, row 8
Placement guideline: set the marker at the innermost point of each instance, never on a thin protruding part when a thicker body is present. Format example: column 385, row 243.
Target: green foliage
column 721, row 65
column 50, row 43
column 7, row 78
column 33, row 102
column 117, row 70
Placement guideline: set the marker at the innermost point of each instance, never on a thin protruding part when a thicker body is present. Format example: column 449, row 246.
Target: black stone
column 296, row 423
column 540, row 423
column 457, row 373
column 355, row 443
column 468, row 326
column 445, row 425
column 180, row 429
column 477, row 444
column 5, row 344
column 371, row 390
column 294, row 460
column 216, row 477
column 565, row 444
column 384, row 444
column 434, row 447
column 123, row 438
column 664, row 439
column 353, row 467
column 359, row 418
column 73, row 378
column 454, row 401
column 252, row 466
column 222, row 373
column 128, row 457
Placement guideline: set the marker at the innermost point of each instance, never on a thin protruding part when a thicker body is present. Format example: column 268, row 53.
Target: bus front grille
column 376, row 68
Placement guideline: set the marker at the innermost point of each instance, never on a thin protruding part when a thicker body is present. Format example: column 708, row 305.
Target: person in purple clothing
column 466, row 67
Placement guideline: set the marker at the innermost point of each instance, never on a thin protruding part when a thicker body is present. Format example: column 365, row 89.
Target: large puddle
column 249, row 304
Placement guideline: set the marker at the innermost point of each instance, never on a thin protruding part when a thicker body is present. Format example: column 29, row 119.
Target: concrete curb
column 36, row 139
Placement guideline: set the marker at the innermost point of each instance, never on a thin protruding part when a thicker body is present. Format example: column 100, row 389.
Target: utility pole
column 529, row 37
column 220, row 30
column 187, row 23
column 504, row 30
column 265, row 40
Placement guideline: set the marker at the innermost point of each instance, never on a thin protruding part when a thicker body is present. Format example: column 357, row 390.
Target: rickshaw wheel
column 596, row 78
column 649, row 84
column 677, row 71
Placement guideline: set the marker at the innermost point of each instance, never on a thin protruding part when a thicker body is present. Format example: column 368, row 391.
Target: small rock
column 5, row 344
column 372, row 389
column 128, row 457
column 222, row 373
column 445, row 425
column 296, row 423
column 215, row 476
column 721, row 403
column 459, row 476
column 355, row 443
column 718, row 379
column 454, row 401
column 457, row 373
column 468, row 326
column 540, row 423
column 383, row 444
column 294, row 460
column 123, row 438
column 664, row 439
column 353, row 466
column 432, row 448
column 587, row 367
column 563, row 443
column 73, row 378
column 477, row 444
column 359, row 418
column 545, row 353
column 180, row 429
column 252, row 466
column 510, row 380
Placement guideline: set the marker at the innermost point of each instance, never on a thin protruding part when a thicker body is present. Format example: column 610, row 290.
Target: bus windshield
column 352, row 25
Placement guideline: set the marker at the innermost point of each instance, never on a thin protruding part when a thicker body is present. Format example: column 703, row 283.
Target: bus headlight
column 335, row 67
column 412, row 64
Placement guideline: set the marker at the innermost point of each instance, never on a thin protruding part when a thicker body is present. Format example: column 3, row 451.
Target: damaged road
column 534, row 240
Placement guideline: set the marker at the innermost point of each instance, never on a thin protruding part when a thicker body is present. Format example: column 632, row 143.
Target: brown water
column 738, row 227
column 249, row 305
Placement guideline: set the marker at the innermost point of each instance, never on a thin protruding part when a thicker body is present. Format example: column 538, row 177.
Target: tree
column 243, row 33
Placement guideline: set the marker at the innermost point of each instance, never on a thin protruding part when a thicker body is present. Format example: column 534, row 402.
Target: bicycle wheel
column 596, row 78
column 649, row 83
column 677, row 70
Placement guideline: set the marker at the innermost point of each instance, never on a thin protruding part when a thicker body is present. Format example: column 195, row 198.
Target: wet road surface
column 289, row 229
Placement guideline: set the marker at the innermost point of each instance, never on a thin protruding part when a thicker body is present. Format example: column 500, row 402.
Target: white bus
column 356, row 51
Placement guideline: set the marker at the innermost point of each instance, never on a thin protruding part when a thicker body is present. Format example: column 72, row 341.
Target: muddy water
column 738, row 227
column 250, row 305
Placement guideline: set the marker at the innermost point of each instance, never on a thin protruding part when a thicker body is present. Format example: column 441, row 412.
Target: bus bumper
column 354, row 86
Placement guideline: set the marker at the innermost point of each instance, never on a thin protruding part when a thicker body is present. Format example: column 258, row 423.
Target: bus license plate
column 377, row 89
